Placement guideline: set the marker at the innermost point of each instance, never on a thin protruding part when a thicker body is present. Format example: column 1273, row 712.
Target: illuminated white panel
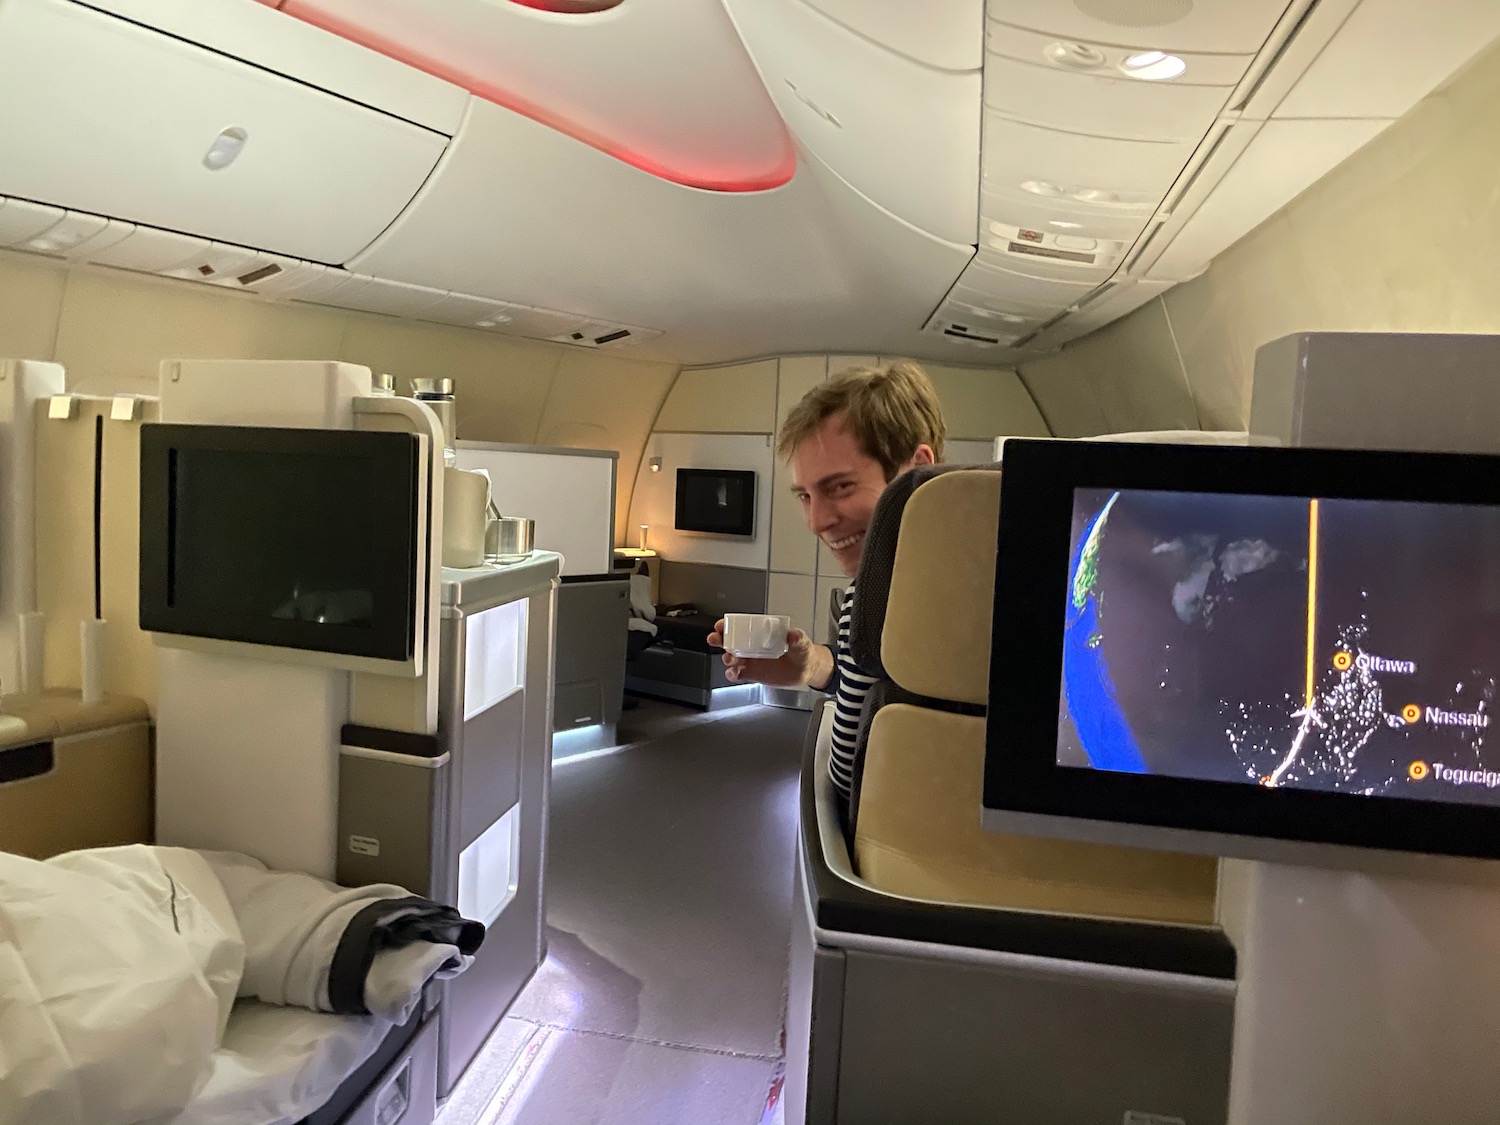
column 494, row 656
column 488, row 869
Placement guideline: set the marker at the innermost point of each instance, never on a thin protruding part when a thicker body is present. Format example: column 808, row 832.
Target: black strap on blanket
column 391, row 923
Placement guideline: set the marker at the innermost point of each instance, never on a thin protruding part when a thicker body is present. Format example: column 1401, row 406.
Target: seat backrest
column 917, row 825
column 958, row 625
column 877, row 562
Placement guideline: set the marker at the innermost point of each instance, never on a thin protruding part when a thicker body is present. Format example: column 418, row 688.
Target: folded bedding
column 119, row 968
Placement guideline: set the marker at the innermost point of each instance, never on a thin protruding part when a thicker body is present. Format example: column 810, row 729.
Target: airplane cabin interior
column 448, row 675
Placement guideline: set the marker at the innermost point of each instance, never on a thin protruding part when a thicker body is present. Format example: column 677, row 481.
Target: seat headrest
column 877, row 560
column 936, row 641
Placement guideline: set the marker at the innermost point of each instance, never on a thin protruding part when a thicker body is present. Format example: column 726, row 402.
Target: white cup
column 755, row 636
column 466, row 498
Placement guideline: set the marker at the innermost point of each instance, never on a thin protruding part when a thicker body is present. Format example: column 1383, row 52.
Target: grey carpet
column 669, row 912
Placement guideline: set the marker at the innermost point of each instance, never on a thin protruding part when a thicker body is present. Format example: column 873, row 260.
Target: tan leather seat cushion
column 919, row 835
column 99, row 791
column 936, row 640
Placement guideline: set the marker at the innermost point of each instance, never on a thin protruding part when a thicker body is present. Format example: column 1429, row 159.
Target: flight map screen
column 1347, row 646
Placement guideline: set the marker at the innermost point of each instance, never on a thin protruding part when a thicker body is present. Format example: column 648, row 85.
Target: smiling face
column 838, row 484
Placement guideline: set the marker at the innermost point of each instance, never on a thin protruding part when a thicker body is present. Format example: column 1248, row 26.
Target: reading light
column 1153, row 66
column 656, row 464
column 1075, row 56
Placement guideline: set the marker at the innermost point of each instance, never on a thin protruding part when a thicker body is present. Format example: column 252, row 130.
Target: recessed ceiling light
column 1064, row 224
column 484, row 324
column 1153, row 66
column 1075, row 56
column 1042, row 187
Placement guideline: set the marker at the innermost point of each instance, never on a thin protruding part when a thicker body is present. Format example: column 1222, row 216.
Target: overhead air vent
column 968, row 335
column 977, row 325
column 264, row 273
column 601, row 334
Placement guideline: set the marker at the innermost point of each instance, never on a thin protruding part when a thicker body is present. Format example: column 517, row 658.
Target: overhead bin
column 1349, row 73
column 903, row 134
column 1279, row 160
column 949, row 36
column 1108, row 303
column 664, row 86
column 1373, row 58
column 259, row 34
column 126, row 122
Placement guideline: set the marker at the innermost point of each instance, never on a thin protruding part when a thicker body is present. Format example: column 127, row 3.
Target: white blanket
column 119, row 968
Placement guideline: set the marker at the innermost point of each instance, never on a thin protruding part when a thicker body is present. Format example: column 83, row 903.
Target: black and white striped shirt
column 848, row 687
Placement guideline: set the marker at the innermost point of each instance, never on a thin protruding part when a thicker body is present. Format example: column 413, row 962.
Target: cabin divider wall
column 743, row 405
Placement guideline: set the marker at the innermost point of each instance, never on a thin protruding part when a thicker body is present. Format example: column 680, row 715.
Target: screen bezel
column 1031, row 579
column 392, row 462
column 744, row 528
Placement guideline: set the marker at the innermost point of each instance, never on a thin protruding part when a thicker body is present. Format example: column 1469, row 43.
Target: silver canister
column 438, row 394
column 509, row 539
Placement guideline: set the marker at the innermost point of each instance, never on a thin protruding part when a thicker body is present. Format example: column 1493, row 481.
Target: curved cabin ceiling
column 663, row 85
column 956, row 180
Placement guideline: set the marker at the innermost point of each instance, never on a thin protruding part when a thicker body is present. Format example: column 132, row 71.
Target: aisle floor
column 669, row 908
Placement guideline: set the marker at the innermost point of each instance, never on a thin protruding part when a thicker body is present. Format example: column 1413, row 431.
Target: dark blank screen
column 716, row 502
column 288, row 536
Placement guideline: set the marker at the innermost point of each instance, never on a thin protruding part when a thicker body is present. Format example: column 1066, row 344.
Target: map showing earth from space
column 1341, row 645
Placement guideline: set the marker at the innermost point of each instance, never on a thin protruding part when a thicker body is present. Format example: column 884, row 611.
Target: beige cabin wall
column 111, row 330
column 979, row 404
column 1403, row 237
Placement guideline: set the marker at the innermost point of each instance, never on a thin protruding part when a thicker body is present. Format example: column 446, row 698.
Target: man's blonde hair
column 890, row 411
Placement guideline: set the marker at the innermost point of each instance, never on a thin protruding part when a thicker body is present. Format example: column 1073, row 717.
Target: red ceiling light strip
column 569, row 7
column 775, row 177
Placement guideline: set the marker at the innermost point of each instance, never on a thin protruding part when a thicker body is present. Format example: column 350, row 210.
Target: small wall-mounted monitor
column 716, row 501
column 1247, row 651
column 297, row 539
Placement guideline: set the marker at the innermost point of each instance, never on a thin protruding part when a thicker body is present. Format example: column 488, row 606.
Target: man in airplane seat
column 845, row 441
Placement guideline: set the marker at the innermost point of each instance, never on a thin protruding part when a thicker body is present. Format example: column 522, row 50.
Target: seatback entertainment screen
column 1293, row 645
column 1348, row 646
